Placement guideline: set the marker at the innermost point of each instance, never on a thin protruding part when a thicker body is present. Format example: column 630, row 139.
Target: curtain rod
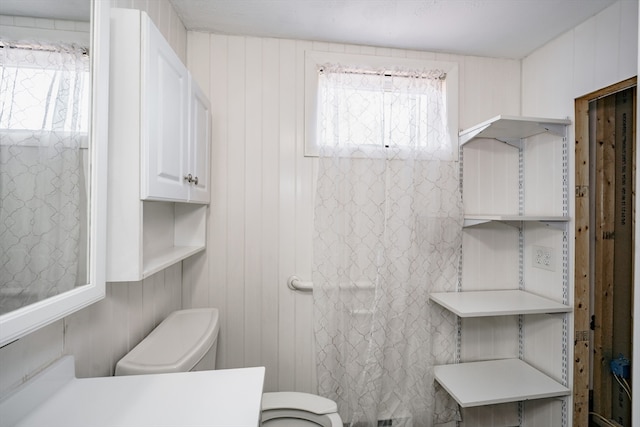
column 435, row 74
column 39, row 48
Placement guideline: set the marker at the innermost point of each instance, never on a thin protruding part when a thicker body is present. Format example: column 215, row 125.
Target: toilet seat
column 300, row 401
column 303, row 406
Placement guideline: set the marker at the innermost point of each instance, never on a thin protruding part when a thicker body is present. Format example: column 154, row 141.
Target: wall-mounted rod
column 296, row 284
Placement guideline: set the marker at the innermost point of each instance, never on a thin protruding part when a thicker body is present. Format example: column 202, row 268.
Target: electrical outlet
column 544, row 257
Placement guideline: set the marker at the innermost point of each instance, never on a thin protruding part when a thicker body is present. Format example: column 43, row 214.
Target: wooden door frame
column 582, row 274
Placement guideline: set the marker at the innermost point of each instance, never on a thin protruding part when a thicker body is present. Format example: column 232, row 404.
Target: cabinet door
column 200, row 141
column 164, row 131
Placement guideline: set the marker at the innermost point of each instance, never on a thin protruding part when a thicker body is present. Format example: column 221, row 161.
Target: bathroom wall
column 595, row 54
column 102, row 333
column 259, row 230
column 260, row 221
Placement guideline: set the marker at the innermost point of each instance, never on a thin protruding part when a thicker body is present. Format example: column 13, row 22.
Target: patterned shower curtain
column 43, row 126
column 388, row 223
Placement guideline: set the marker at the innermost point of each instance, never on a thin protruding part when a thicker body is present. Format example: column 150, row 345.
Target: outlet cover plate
column 544, row 257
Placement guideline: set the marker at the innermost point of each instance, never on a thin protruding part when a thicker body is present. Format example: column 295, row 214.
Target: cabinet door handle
column 191, row 179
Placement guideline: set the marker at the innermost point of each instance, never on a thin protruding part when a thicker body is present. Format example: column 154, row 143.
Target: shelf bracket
column 558, row 130
column 470, row 135
column 514, row 142
column 473, row 222
column 557, row 225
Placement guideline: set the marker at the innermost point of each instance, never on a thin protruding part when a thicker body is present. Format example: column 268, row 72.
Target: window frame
column 315, row 59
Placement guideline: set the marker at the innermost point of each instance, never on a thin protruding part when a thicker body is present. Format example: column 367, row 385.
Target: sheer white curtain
column 388, row 223
column 43, row 126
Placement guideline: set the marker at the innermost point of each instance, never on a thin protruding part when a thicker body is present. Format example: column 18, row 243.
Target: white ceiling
column 494, row 28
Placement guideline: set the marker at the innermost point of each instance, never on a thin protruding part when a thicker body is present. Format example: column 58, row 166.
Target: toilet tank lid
column 175, row 345
column 301, row 401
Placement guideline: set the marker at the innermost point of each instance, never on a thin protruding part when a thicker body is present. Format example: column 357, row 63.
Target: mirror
column 53, row 154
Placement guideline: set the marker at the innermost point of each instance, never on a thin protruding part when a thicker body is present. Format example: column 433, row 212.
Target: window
column 44, row 89
column 380, row 103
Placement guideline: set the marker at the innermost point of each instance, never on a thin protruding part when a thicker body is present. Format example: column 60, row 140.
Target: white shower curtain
column 43, row 126
column 387, row 232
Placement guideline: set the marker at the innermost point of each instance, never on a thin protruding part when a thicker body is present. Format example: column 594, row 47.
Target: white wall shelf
column 496, row 381
column 512, row 130
column 503, row 303
column 558, row 221
column 167, row 258
column 497, row 303
column 171, row 232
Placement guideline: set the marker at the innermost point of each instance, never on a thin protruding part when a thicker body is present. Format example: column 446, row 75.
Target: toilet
column 187, row 341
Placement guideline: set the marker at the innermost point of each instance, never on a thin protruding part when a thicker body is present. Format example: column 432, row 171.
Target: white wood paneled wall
column 597, row 53
column 165, row 18
column 21, row 27
column 99, row 335
column 261, row 215
column 102, row 333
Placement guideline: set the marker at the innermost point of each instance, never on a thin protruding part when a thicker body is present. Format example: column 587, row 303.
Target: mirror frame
column 18, row 323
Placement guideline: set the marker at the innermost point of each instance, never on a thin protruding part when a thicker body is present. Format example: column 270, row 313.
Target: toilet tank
column 185, row 341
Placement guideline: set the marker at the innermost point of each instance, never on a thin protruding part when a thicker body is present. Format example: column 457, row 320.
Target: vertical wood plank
column 271, row 209
column 173, row 289
column 199, row 59
column 163, row 20
column 253, row 203
column 137, row 327
column 286, row 248
column 235, row 316
column 604, row 248
column 622, row 333
column 218, row 210
column 138, row 4
column 304, row 338
column 607, row 51
column 119, row 293
column 153, row 10
column 581, row 305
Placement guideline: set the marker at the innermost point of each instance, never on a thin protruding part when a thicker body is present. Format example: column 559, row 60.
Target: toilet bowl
column 287, row 408
column 187, row 340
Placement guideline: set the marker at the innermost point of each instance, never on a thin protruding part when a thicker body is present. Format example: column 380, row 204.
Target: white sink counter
column 224, row 398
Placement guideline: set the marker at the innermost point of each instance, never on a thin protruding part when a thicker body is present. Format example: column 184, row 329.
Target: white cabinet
column 199, row 143
column 159, row 137
column 176, row 121
column 164, row 86
column 513, row 307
